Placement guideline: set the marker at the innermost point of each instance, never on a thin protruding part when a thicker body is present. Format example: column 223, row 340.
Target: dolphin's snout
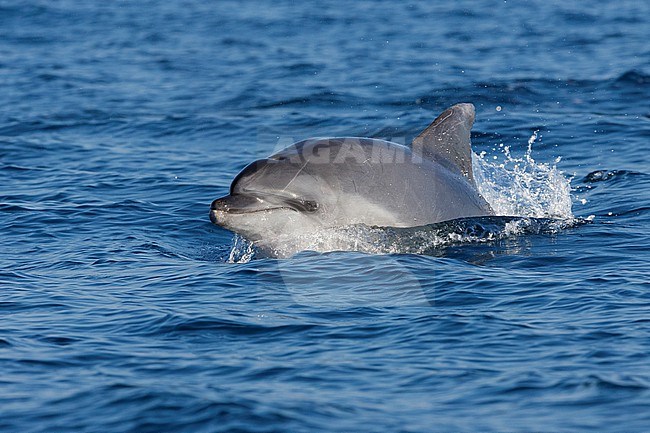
column 218, row 208
column 236, row 204
column 219, row 204
column 215, row 207
column 233, row 203
column 213, row 217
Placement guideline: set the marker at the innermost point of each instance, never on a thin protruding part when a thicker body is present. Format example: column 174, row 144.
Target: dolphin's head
column 319, row 183
column 272, row 196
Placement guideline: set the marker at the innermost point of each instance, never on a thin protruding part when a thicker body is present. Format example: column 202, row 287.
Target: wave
column 610, row 175
column 430, row 239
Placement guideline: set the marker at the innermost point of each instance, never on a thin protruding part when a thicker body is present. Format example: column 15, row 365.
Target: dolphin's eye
column 307, row 206
column 310, row 206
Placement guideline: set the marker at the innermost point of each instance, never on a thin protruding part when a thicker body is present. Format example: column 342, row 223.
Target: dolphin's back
column 399, row 186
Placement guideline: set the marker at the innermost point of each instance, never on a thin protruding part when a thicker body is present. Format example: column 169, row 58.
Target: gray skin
column 336, row 182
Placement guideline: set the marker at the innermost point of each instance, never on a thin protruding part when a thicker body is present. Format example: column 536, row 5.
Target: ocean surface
column 123, row 309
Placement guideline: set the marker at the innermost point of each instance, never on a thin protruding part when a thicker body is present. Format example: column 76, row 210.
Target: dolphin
column 324, row 183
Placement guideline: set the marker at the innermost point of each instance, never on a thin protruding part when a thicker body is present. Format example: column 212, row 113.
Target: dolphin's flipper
column 447, row 140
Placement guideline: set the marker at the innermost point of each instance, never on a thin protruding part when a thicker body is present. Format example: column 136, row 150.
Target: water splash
column 431, row 239
column 520, row 186
column 242, row 250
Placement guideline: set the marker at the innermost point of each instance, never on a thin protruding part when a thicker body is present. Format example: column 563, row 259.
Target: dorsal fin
column 447, row 140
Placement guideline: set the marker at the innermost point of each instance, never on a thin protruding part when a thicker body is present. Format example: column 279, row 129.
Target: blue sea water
column 124, row 309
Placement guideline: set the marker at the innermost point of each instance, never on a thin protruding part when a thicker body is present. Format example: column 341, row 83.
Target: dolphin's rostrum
column 335, row 182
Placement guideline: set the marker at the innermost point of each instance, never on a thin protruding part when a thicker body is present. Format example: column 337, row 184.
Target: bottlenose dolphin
column 334, row 182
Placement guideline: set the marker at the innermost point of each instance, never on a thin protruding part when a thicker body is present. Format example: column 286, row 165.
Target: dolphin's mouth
column 237, row 204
